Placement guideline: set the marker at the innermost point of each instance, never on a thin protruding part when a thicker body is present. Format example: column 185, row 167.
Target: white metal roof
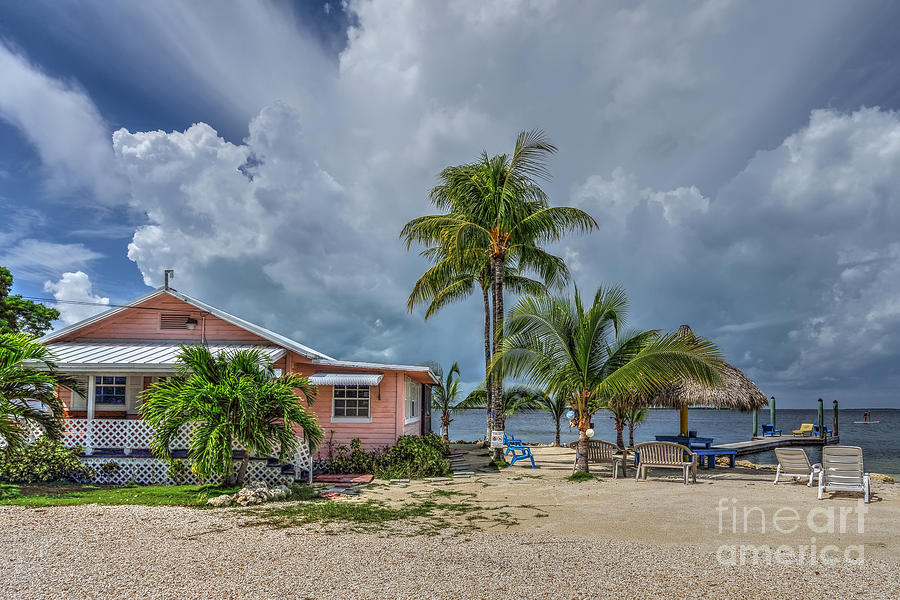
column 131, row 356
column 370, row 379
column 260, row 331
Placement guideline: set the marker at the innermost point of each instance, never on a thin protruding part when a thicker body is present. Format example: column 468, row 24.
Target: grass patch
column 498, row 464
column 581, row 476
column 423, row 514
column 41, row 495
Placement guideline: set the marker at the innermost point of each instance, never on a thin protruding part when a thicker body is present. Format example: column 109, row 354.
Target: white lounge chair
column 842, row 471
column 792, row 462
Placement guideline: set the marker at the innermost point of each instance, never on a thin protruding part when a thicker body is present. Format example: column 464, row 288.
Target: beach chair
column 792, row 462
column 816, row 431
column 804, row 429
column 842, row 471
column 600, row 452
column 769, row 429
column 666, row 455
column 519, row 451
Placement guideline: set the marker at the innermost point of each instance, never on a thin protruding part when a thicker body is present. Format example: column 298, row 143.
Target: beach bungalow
column 118, row 353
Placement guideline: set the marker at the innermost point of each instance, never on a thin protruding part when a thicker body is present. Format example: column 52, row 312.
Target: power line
column 86, row 303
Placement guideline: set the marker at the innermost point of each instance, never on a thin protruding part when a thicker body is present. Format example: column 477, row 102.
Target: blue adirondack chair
column 769, row 429
column 519, row 451
column 816, row 430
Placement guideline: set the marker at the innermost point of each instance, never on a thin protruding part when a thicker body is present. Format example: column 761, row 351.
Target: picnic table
column 690, row 442
column 710, row 455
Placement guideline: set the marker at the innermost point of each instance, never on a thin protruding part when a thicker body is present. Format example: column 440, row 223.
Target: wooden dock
column 771, row 442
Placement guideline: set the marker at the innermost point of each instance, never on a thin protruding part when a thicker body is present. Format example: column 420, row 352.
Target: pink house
column 118, row 353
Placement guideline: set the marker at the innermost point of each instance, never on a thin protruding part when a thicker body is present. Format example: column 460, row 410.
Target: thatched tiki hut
column 735, row 392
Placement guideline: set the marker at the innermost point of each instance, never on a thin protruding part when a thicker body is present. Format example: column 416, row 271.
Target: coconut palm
column 444, row 395
column 563, row 345
column 514, row 398
column 556, row 406
column 28, row 384
column 450, row 280
column 496, row 205
column 229, row 398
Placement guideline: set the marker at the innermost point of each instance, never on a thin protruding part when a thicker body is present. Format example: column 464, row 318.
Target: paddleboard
column 865, row 422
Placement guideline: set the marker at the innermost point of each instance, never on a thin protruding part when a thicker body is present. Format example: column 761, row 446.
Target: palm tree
column 564, row 346
column 28, row 391
column 444, row 394
column 634, row 417
column 556, row 405
column 450, row 280
column 513, row 399
column 230, row 397
column 495, row 205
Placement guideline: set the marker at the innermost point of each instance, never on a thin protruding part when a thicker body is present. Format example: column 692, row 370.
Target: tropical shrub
column 42, row 461
column 412, row 457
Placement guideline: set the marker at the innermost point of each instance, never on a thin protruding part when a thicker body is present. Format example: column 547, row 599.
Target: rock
column 220, row 501
column 256, row 492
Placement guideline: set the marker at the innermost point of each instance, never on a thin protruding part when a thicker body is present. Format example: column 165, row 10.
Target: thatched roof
column 735, row 392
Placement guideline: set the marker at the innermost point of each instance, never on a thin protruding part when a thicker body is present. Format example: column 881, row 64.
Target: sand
column 551, row 539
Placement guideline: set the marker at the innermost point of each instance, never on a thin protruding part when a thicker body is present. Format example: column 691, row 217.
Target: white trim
column 89, row 401
column 357, row 419
column 365, row 379
column 369, row 365
column 417, row 403
column 260, row 331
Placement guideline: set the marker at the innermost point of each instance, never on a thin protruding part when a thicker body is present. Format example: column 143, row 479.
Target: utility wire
column 86, row 303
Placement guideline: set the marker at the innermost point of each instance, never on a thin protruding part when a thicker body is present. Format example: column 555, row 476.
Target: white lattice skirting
column 155, row 471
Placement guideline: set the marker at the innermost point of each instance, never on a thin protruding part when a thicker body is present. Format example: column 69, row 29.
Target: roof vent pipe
column 168, row 274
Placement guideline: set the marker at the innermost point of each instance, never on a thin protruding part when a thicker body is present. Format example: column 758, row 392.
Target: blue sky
column 741, row 159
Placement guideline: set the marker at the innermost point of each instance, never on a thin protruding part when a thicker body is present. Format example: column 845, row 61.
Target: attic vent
column 171, row 321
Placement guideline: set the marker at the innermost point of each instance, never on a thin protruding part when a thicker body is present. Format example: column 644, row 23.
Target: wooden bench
column 600, row 452
column 665, row 455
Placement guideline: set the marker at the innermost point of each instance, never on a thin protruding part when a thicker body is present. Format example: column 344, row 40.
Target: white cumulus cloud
column 75, row 297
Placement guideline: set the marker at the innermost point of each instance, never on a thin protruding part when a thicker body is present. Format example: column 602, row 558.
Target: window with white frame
column 413, row 400
column 351, row 402
column 109, row 389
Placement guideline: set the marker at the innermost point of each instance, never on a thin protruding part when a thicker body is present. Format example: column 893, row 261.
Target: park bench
column 600, row 452
column 665, row 455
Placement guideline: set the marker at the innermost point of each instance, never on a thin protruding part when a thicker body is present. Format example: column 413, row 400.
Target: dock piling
column 834, row 419
column 755, row 423
column 772, row 411
column 821, row 419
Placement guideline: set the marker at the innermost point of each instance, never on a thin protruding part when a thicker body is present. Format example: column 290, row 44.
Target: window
column 109, row 389
column 413, row 400
column 351, row 402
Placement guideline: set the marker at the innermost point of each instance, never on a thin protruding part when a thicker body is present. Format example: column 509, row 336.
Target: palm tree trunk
column 582, row 464
column 487, row 361
column 620, row 427
column 631, row 435
column 557, row 433
column 497, row 264
column 242, row 472
column 445, row 424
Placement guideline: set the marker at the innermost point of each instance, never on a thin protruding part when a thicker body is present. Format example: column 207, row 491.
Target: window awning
column 370, row 379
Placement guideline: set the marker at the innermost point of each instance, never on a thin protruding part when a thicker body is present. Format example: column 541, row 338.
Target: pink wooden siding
column 384, row 401
column 139, row 324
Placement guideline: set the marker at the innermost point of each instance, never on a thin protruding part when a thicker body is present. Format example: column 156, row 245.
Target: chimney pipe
column 168, row 274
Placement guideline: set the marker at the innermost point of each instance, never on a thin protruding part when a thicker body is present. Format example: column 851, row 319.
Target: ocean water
column 880, row 442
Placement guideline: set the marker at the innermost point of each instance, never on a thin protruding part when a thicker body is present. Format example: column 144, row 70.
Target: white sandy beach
column 654, row 539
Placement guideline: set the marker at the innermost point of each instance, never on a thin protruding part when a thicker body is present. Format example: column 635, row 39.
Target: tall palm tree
column 514, row 398
column 451, row 279
column 556, row 406
column 496, row 205
column 561, row 345
column 230, row 397
column 28, row 383
column 444, row 395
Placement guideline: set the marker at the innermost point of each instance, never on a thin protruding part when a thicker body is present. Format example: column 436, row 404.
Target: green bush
column 411, row 457
column 42, row 461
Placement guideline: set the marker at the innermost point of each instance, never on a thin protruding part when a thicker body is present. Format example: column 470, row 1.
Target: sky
column 740, row 158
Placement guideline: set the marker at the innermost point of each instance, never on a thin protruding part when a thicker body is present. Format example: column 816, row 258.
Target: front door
column 426, row 409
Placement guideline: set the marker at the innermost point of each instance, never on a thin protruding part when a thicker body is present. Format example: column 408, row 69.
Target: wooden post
column 821, row 419
column 772, row 411
column 89, row 430
column 683, row 420
column 755, row 423
column 834, row 419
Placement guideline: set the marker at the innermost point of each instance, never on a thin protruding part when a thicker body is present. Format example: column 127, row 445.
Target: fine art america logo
column 788, row 521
